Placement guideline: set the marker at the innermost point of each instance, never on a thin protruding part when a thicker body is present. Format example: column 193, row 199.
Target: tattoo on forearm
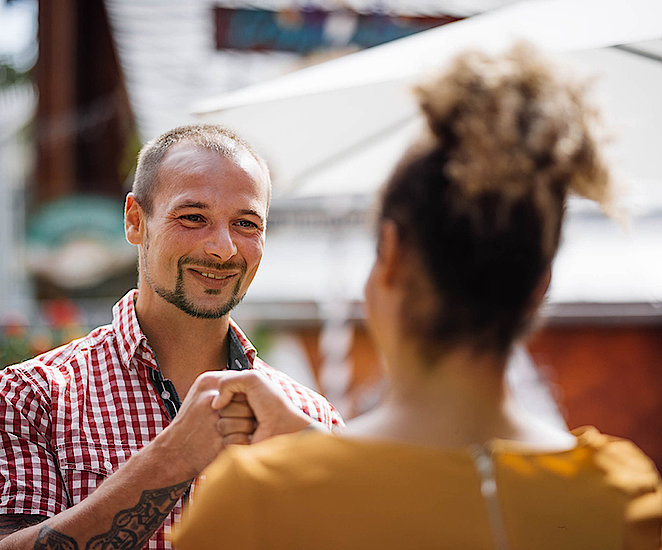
column 131, row 528
column 10, row 523
column 50, row 539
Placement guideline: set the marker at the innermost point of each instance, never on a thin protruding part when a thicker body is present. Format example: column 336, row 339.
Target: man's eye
column 196, row 218
column 247, row 223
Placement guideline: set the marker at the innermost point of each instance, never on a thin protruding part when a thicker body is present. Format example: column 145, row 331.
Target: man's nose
column 220, row 244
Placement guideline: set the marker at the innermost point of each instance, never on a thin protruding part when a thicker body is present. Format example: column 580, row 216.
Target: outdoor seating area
column 225, row 222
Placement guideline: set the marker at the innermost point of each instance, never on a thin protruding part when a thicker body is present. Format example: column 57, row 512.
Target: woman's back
column 312, row 490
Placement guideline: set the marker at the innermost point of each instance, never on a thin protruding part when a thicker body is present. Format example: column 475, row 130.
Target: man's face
column 203, row 242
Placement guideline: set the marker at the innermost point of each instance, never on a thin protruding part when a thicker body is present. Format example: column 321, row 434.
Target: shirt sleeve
column 644, row 521
column 31, row 483
column 628, row 470
column 222, row 512
column 643, row 513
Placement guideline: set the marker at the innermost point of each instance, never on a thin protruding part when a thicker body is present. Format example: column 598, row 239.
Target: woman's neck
column 457, row 400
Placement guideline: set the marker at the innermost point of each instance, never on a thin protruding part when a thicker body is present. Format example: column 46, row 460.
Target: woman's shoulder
column 626, row 469
column 623, row 464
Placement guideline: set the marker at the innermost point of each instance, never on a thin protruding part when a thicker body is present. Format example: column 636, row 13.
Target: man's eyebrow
column 250, row 212
column 191, row 204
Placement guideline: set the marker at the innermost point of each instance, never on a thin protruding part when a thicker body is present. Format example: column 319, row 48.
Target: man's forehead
column 189, row 159
column 190, row 156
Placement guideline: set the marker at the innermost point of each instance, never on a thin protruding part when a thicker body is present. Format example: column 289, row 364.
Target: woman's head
column 478, row 202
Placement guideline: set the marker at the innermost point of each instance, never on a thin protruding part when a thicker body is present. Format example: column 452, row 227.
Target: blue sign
column 310, row 30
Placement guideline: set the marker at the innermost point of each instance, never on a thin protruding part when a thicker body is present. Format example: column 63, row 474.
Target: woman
column 468, row 226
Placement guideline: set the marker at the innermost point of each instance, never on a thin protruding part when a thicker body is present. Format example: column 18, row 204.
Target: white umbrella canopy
column 338, row 127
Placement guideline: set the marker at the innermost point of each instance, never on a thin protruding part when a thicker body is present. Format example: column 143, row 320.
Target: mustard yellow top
column 316, row 491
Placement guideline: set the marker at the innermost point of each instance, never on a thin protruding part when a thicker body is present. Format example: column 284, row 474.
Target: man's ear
column 389, row 253
column 134, row 220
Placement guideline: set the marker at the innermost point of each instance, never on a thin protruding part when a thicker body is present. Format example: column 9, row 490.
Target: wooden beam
column 56, row 110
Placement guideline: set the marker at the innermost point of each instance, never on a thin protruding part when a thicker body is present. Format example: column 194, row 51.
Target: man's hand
column 237, row 421
column 227, row 408
column 192, row 440
column 272, row 411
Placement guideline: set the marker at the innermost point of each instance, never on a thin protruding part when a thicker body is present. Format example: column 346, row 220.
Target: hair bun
column 509, row 124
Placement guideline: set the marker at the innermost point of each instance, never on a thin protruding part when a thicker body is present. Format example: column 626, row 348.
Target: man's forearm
column 124, row 512
column 130, row 528
column 129, row 506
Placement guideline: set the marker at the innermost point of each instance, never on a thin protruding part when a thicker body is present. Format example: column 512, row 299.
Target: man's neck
column 184, row 346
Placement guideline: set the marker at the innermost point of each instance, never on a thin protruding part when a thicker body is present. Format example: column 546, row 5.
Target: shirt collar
column 125, row 325
column 239, row 343
column 131, row 337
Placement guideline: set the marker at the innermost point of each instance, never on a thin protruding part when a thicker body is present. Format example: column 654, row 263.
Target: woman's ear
column 134, row 220
column 540, row 290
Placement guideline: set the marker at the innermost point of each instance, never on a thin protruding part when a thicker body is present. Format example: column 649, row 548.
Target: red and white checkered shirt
column 72, row 416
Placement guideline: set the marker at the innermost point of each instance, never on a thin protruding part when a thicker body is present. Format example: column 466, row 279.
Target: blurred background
column 84, row 83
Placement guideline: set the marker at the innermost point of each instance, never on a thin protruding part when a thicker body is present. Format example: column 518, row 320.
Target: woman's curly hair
column 481, row 196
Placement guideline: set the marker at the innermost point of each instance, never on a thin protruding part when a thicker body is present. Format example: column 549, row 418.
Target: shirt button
column 108, row 465
column 165, row 394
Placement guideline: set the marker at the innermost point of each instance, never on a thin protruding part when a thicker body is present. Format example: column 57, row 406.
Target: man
column 102, row 408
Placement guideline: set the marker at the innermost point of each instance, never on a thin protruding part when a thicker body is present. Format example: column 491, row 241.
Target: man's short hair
column 207, row 136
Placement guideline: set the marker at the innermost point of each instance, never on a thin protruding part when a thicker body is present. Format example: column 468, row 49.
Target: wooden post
column 56, row 110
column 83, row 117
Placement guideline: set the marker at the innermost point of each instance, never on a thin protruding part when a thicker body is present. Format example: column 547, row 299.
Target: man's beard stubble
column 177, row 297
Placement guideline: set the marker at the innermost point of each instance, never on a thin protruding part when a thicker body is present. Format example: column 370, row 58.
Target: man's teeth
column 212, row 276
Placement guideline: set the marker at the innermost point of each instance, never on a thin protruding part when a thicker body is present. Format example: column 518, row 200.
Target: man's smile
column 214, row 276
column 213, row 279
